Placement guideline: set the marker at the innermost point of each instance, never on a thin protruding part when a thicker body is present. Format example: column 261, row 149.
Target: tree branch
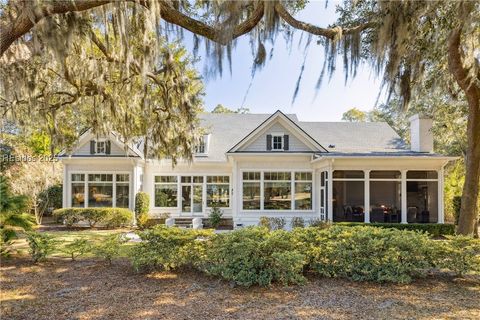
column 329, row 33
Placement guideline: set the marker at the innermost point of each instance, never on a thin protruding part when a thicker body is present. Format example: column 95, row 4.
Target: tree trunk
column 469, row 209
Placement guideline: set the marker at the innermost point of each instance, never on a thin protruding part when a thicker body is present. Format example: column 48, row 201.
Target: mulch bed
column 89, row 289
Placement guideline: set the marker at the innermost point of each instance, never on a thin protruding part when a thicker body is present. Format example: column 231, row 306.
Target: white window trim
column 292, row 187
column 204, row 190
column 113, row 182
column 282, row 139
column 104, row 141
column 206, row 141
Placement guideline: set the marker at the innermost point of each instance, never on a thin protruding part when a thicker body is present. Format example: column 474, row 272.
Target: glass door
column 192, row 195
column 197, row 199
column 186, row 198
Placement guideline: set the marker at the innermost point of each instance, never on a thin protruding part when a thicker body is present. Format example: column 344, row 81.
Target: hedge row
column 109, row 217
column 434, row 229
column 257, row 256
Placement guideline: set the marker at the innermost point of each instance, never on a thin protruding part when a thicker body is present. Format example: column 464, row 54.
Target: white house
column 254, row 165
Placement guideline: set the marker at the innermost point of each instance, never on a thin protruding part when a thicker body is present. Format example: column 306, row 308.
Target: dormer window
column 277, row 142
column 201, row 148
column 100, row 146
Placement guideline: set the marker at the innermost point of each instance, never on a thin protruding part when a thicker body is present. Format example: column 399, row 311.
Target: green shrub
column 41, row 245
column 434, row 229
column 459, row 254
column 110, row 217
column 272, row 223
column 109, row 248
column 142, row 208
column 168, row 248
column 318, row 223
column 365, row 253
column 297, row 222
column 252, row 256
column 76, row 248
column 215, row 217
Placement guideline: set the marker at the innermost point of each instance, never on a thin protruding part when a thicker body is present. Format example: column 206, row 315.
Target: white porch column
column 404, row 196
column 330, row 194
column 234, row 192
column 441, row 204
column 367, row 196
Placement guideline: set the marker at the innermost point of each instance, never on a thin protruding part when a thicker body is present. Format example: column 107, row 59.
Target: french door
column 192, row 195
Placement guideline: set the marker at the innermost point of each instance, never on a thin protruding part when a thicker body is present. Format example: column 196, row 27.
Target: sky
column 274, row 85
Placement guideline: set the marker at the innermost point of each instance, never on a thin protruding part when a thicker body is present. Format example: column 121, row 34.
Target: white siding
column 260, row 143
column 84, row 149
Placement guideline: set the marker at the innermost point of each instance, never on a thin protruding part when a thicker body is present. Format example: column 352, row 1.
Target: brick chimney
column 421, row 137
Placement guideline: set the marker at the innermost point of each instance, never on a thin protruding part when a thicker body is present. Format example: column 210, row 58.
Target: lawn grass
column 62, row 238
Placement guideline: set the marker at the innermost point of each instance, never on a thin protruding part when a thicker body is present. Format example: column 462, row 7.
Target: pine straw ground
column 88, row 289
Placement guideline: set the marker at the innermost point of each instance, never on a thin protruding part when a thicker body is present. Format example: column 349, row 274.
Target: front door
column 192, row 195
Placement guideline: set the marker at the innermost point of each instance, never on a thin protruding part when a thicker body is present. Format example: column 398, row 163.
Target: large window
column 251, row 190
column 189, row 190
column 277, row 191
column 281, row 190
column 218, row 191
column 100, row 190
column 385, row 196
column 303, row 191
column 122, row 191
column 166, row 191
column 78, row 190
column 348, row 196
column 422, row 196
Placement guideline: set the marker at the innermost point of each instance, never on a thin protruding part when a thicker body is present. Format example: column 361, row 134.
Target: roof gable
column 278, row 123
column 118, row 147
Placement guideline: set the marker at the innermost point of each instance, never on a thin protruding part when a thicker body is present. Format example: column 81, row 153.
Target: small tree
column 142, row 207
column 77, row 248
column 215, row 217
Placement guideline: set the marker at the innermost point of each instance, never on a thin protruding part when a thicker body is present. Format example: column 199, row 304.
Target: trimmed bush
column 297, row 222
column 76, row 248
column 109, row 248
column 41, row 245
column 142, row 208
column 253, row 256
column 367, row 254
column 434, row 229
column 272, row 223
column 168, row 248
column 109, row 217
column 459, row 254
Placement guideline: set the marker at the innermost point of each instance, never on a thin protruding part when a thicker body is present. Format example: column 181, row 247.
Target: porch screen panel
column 348, row 196
column 385, row 201
column 251, row 191
column 422, row 197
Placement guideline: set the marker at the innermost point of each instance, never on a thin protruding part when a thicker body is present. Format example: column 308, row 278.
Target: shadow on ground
column 88, row 289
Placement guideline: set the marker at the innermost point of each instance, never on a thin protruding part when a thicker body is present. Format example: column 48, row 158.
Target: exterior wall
column 142, row 175
column 83, row 148
column 158, row 168
column 273, row 163
column 100, row 165
column 259, row 143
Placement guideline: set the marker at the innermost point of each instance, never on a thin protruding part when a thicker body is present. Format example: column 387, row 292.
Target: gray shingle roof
column 347, row 137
